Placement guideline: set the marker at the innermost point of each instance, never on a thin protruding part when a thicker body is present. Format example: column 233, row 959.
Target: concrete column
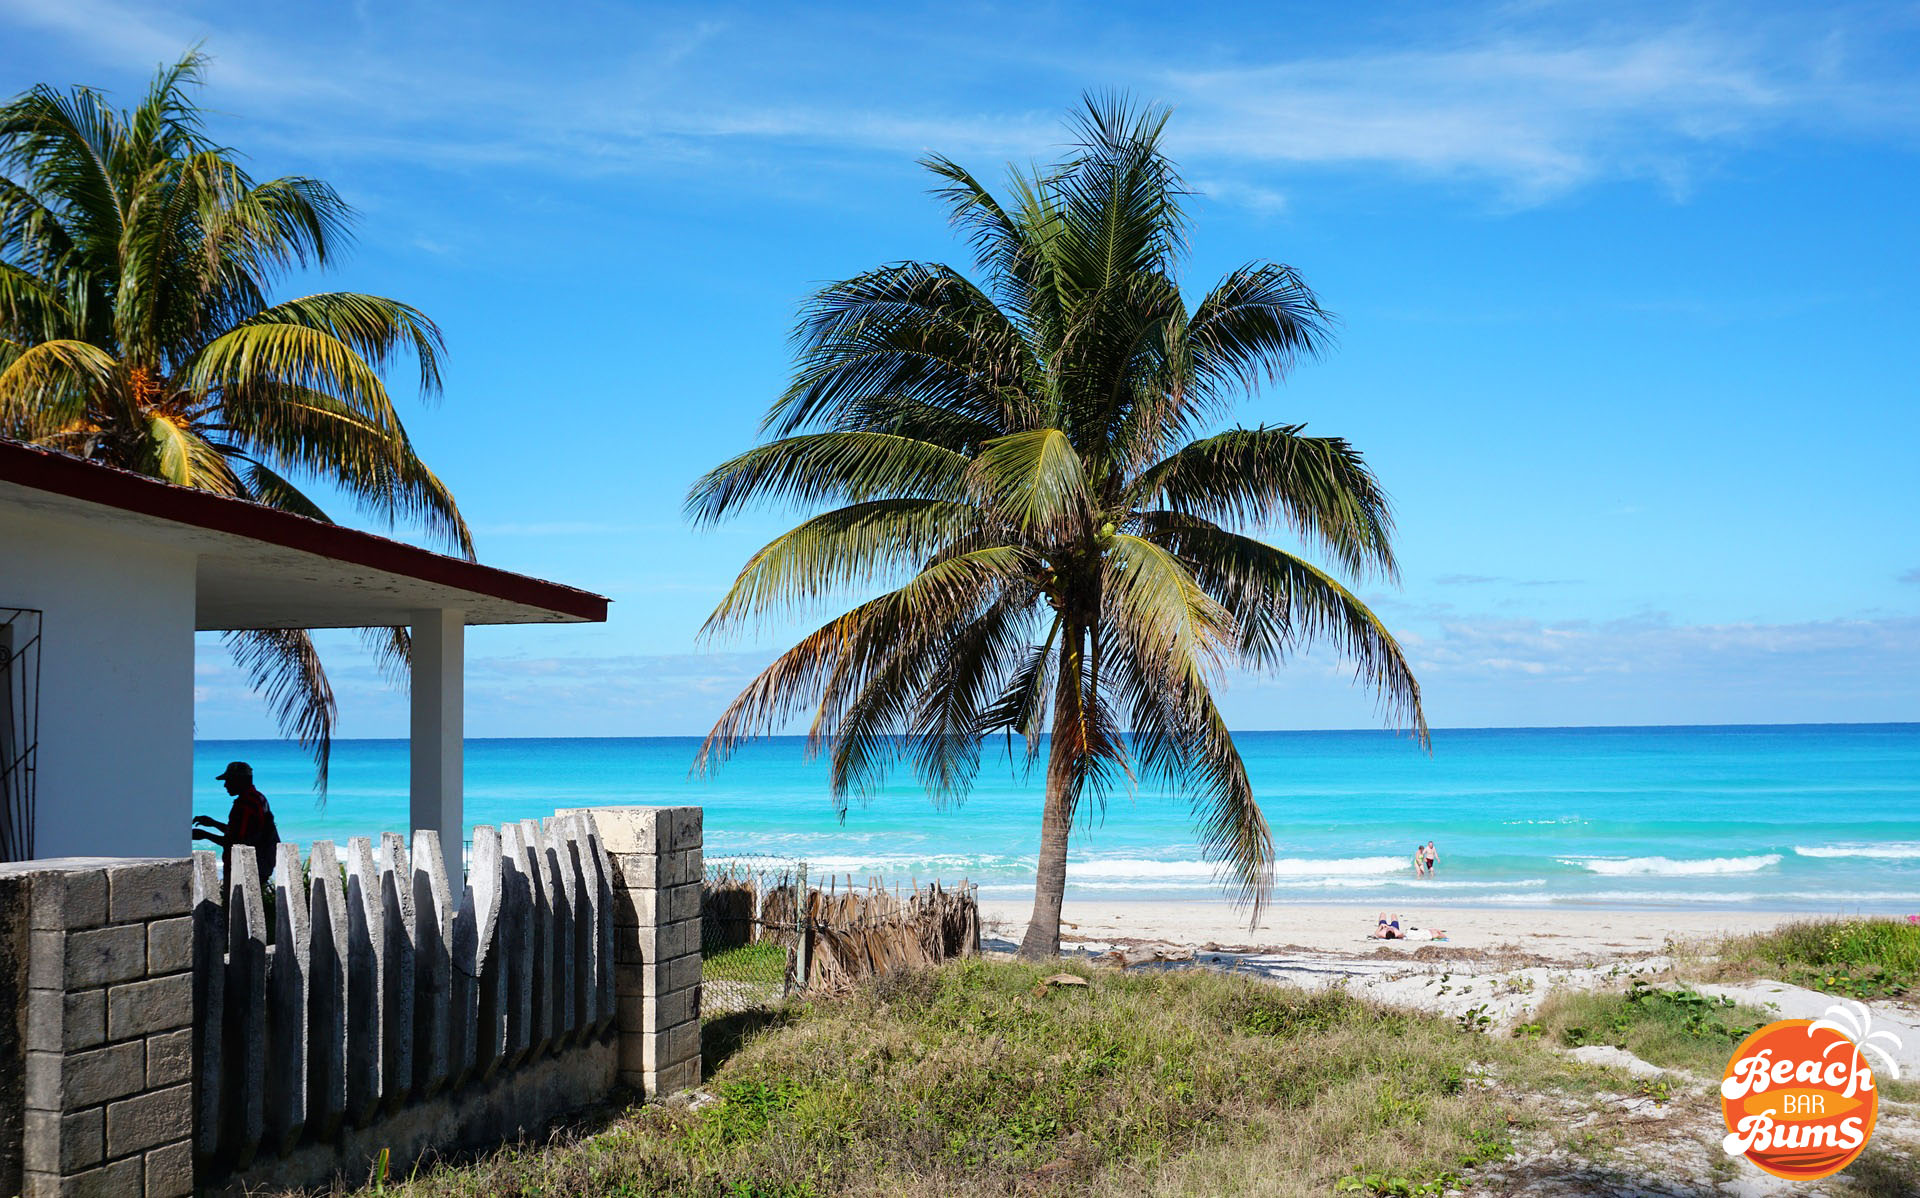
column 439, row 727
column 655, row 854
column 107, row 1018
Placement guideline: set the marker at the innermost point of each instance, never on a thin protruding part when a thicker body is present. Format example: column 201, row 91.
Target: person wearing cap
column 249, row 821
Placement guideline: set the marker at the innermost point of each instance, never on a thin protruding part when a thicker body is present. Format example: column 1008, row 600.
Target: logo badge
column 1798, row 1096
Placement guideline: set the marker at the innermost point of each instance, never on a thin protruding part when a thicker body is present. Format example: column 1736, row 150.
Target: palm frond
column 301, row 429
column 845, row 547
column 1120, row 200
column 1150, row 593
column 830, row 667
column 1233, row 830
column 910, row 619
column 1178, row 739
column 32, row 235
column 1031, row 479
column 46, row 385
column 1012, row 243
column 1021, row 708
column 262, row 485
column 1320, row 486
column 392, row 650
column 955, row 702
column 1283, row 602
column 843, row 467
column 266, row 229
column 63, row 144
column 1255, row 325
column 281, row 663
column 1000, row 243
column 377, row 329
column 911, row 331
column 185, row 458
column 31, row 308
column 297, row 355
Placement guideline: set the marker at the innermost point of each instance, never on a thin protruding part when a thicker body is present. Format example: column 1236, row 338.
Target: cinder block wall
column 109, row 1058
column 14, row 892
column 657, row 874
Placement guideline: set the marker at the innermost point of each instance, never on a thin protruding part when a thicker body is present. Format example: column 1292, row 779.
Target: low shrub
column 981, row 1078
column 1858, row 958
column 1675, row 1027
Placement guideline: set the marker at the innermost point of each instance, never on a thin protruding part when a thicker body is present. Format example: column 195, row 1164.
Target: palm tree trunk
column 1042, row 941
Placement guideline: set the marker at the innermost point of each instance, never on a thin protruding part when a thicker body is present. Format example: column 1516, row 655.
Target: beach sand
column 1570, row 934
column 1497, row 962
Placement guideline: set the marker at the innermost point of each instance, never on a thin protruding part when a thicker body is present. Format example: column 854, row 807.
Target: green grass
column 977, row 1078
column 1675, row 1027
column 763, row 964
column 1858, row 958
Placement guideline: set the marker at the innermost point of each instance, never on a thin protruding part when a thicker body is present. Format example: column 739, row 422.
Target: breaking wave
column 1669, row 867
column 1285, row 867
column 1887, row 851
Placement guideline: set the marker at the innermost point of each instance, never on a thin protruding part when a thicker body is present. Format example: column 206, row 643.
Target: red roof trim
column 76, row 478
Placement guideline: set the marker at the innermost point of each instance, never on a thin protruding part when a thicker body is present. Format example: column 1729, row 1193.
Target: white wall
column 116, row 685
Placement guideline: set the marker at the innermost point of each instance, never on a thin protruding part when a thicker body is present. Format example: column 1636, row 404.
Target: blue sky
column 1627, row 300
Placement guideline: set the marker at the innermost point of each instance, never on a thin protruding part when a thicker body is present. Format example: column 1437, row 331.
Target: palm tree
column 1018, row 464
column 136, row 262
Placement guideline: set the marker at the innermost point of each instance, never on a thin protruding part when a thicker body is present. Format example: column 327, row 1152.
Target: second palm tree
column 1025, row 465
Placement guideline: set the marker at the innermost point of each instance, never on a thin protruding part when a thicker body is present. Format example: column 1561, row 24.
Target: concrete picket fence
column 377, row 989
column 383, row 1013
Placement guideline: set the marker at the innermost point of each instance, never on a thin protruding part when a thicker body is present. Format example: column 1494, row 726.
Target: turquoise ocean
column 1819, row 817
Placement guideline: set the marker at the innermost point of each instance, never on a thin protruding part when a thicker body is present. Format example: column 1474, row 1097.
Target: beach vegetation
column 1030, row 463
column 1855, row 958
column 138, row 328
column 976, row 1078
column 1675, row 1027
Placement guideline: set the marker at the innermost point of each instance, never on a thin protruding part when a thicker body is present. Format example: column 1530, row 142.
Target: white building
column 106, row 575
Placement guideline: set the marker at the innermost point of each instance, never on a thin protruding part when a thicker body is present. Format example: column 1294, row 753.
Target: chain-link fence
column 748, row 941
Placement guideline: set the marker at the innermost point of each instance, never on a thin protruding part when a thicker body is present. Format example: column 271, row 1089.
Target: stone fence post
column 109, row 1009
column 657, row 876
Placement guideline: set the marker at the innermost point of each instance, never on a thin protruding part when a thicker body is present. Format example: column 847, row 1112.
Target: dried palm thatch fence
column 767, row 931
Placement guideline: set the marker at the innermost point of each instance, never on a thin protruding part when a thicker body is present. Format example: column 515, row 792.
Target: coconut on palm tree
column 1029, row 468
column 137, row 328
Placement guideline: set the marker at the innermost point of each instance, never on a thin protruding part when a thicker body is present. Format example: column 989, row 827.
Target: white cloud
column 1538, row 113
column 1661, row 652
column 1474, row 671
column 1262, row 201
column 1533, row 106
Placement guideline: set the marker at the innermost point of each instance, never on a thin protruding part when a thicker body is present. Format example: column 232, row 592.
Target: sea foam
column 1669, row 867
column 1285, row 867
column 1891, row 850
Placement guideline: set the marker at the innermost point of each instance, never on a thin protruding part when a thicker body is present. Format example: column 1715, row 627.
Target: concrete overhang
column 263, row 568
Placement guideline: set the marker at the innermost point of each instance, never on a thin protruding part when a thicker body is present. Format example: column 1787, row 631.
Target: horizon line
column 1234, row 731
